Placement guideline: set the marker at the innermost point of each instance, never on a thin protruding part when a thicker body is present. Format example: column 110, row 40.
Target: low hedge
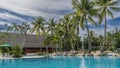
column 41, row 53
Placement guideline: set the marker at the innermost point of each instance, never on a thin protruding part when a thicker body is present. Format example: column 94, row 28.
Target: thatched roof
column 30, row 41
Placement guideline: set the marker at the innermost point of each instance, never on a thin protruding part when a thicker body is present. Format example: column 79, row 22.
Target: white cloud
column 3, row 23
column 8, row 16
column 33, row 7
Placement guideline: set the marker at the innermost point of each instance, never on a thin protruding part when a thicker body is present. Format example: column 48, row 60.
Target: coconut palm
column 24, row 29
column 51, row 27
column 8, row 28
column 111, row 41
column 47, row 39
column 75, row 19
column 106, row 8
column 117, row 36
column 16, row 32
column 15, row 28
column 46, row 42
column 66, row 30
column 8, row 32
column 51, row 23
column 38, row 27
column 85, row 10
column 60, row 31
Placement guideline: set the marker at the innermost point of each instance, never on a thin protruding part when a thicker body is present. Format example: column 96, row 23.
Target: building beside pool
column 34, row 44
column 31, row 43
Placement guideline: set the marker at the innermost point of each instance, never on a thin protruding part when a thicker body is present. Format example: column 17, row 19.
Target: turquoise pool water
column 63, row 62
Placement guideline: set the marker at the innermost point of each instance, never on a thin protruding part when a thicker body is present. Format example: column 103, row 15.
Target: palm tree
column 51, row 28
column 15, row 28
column 59, row 31
column 15, row 31
column 8, row 28
column 24, row 29
column 117, row 36
column 100, row 41
column 47, row 40
column 66, row 30
column 75, row 19
column 38, row 27
column 51, row 25
column 111, row 41
column 8, row 32
column 106, row 7
column 85, row 10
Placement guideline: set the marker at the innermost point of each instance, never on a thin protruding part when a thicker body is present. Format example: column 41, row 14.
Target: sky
column 19, row 11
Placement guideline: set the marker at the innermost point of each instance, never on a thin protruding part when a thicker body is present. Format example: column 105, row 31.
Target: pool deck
column 33, row 57
column 27, row 57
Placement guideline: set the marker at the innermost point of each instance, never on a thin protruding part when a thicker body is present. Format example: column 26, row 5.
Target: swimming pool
column 62, row 62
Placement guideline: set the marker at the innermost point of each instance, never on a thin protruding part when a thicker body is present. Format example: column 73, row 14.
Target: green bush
column 4, row 50
column 17, row 51
column 41, row 53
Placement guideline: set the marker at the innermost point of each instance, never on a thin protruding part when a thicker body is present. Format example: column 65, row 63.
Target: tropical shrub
column 17, row 51
column 41, row 53
column 4, row 50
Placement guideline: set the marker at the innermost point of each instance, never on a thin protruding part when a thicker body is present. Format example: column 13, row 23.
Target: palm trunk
column 105, row 31
column 24, row 39
column 52, row 48
column 40, row 43
column 78, row 36
column 47, row 49
column 89, row 39
column 61, row 45
column 56, row 48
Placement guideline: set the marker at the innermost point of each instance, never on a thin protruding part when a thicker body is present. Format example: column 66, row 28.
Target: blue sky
column 19, row 11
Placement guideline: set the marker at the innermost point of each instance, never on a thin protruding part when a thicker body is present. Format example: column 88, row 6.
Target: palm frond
column 110, row 13
column 100, row 19
column 115, row 8
column 103, row 12
column 91, row 20
column 114, row 3
column 81, row 22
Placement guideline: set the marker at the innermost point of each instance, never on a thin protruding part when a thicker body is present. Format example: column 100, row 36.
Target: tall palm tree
column 24, row 29
column 16, row 32
column 85, row 10
column 8, row 28
column 47, row 39
column 15, row 28
column 51, row 28
column 59, row 31
column 8, row 32
column 38, row 27
column 106, row 7
column 67, row 29
column 51, row 25
column 75, row 19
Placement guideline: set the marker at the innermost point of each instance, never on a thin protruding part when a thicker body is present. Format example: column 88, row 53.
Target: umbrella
column 5, row 45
